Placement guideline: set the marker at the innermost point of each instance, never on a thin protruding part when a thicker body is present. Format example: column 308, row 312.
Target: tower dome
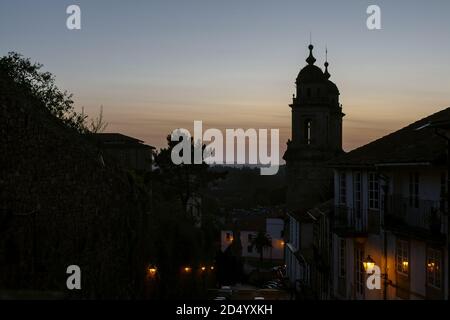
column 312, row 83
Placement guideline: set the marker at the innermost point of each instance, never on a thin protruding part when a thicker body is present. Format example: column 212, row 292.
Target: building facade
column 309, row 253
column 247, row 229
column 129, row 152
column 390, row 209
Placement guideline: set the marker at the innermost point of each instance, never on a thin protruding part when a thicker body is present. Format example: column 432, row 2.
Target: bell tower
column 316, row 136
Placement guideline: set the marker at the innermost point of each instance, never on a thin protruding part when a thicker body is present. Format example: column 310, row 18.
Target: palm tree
column 260, row 242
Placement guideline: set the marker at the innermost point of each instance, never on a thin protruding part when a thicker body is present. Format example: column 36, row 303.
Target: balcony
column 417, row 217
column 349, row 222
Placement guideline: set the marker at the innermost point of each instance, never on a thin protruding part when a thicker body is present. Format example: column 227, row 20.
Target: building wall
column 139, row 158
column 292, row 267
column 292, row 264
column 226, row 239
column 274, row 228
column 400, row 287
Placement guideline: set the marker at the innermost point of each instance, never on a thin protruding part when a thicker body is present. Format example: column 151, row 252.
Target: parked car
column 220, row 298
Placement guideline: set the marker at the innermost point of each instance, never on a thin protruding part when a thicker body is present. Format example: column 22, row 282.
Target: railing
column 350, row 219
column 420, row 213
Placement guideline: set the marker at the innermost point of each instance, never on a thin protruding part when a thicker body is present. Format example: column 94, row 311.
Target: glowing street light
column 368, row 263
column 187, row 269
column 203, row 268
column 152, row 271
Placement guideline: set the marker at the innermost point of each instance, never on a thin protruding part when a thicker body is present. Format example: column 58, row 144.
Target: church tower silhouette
column 316, row 136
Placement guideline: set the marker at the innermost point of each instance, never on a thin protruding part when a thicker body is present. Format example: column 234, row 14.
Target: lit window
column 402, row 257
column 374, row 191
column 434, row 264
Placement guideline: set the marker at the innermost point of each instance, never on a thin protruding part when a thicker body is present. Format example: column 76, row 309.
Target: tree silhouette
column 260, row 242
column 98, row 124
column 41, row 86
column 184, row 181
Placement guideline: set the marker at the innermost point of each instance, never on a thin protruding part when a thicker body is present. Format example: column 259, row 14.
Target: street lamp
column 187, row 269
column 368, row 263
column 152, row 271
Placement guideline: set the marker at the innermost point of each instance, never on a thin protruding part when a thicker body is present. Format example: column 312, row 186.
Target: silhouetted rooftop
column 311, row 73
column 413, row 144
column 118, row 138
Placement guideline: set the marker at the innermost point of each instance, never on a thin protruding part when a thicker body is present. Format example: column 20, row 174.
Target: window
column 308, row 127
column 402, row 257
column 228, row 236
column 342, row 189
column 374, row 191
column 357, row 185
column 359, row 270
column 342, row 253
column 414, row 189
column 434, row 264
column 443, row 197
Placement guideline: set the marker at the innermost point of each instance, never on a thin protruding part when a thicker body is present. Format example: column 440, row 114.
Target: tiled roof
column 412, row 144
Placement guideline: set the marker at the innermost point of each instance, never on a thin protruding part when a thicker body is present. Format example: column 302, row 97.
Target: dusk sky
column 159, row 65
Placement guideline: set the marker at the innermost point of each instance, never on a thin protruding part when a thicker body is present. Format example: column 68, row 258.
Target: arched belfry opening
column 308, row 130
